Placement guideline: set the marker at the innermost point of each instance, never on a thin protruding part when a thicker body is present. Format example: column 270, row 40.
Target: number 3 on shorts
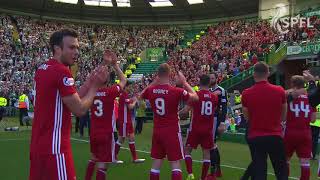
column 160, row 106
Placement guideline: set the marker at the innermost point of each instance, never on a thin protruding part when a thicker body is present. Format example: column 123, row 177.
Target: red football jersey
column 102, row 111
column 299, row 115
column 203, row 112
column 264, row 102
column 124, row 111
column 51, row 126
column 164, row 100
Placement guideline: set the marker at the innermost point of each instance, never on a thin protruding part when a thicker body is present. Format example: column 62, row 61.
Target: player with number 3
column 166, row 138
column 297, row 136
column 103, row 122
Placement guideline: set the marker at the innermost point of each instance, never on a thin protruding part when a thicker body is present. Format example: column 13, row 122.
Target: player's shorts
column 52, row 167
column 167, row 144
column 302, row 145
column 103, row 148
column 124, row 129
column 205, row 139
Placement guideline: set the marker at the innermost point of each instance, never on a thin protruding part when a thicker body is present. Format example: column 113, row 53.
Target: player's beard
column 213, row 83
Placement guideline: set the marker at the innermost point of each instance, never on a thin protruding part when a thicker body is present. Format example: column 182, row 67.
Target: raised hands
column 99, row 76
column 110, row 58
column 308, row 76
column 181, row 79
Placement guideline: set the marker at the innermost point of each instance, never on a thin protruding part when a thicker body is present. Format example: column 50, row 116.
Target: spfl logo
column 283, row 24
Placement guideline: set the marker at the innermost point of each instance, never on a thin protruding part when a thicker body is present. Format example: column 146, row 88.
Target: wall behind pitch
column 268, row 8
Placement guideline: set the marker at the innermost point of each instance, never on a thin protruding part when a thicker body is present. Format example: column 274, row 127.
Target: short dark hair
column 297, row 81
column 261, row 69
column 204, row 80
column 164, row 70
column 57, row 37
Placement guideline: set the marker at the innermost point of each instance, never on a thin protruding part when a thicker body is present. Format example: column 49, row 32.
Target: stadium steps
column 147, row 67
column 15, row 31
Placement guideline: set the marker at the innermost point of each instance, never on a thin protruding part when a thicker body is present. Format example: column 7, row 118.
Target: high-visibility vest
column 237, row 99
column 306, row 85
column 22, row 103
column 3, row 102
column 317, row 122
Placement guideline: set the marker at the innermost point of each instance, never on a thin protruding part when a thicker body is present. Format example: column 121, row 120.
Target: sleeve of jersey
column 145, row 94
column 66, row 83
column 115, row 90
column 224, row 96
column 216, row 100
column 128, row 101
column 283, row 95
column 183, row 94
column 243, row 99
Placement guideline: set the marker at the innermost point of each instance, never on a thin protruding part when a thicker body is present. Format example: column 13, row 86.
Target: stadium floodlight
column 195, row 1
column 67, row 1
column 105, row 3
column 123, row 3
column 160, row 3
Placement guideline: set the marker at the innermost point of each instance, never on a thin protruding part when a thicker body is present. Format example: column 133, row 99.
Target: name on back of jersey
column 101, row 94
column 207, row 95
column 160, row 91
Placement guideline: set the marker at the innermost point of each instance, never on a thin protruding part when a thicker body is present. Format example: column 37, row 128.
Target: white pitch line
column 14, row 139
column 146, row 152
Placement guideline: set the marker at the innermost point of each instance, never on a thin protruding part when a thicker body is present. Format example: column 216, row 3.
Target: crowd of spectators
column 227, row 48
column 299, row 34
column 23, row 53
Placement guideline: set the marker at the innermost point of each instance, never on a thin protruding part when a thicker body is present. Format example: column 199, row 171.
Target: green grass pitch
column 14, row 158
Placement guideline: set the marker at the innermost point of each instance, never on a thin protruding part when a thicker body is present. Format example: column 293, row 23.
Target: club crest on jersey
column 68, row 81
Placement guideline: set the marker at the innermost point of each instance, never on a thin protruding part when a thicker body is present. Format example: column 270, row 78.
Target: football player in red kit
column 166, row 138
column 297, row 136
column 201, row 130
column 102, row 143
column 54, row 99
column 125, row 123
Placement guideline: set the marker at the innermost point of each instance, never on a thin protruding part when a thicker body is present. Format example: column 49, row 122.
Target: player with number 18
column 102, row 143
column 201, row 130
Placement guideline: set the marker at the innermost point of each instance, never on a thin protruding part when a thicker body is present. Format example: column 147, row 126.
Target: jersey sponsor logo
column 44, row 66
column 68, row 81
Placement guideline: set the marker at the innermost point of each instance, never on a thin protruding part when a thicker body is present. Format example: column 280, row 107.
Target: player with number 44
column 297, row 135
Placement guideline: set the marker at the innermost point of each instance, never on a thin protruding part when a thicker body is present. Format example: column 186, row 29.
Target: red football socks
column 305, row 172
column 205, row 168
column 90, row 169
column 154, row 174
column 176, row 174
column 188, row 160
column 133, row 150
column 101, row 174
